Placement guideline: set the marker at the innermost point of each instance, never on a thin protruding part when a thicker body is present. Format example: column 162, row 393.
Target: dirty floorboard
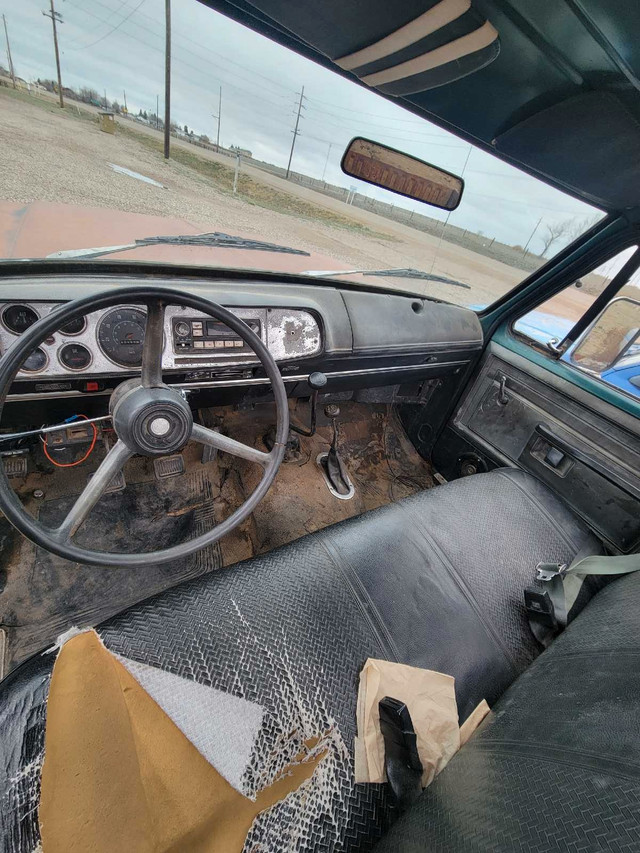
column 42, row 595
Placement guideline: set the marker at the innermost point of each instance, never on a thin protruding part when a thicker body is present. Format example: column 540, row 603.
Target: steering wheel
column 149, row 418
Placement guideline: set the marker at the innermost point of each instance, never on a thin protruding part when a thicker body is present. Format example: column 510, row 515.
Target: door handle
column 503, row 397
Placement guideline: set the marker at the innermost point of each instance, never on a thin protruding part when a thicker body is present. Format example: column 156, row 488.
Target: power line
column 70, row 45
column 363, row 112
column 192, row 41
column 197, row 69
column 112, row 30
column 339, row 120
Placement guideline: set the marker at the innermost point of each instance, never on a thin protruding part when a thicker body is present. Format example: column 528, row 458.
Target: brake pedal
column 168, row 466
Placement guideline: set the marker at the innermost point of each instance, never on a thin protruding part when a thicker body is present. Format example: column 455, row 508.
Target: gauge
column 74, row 327
column 18, row 318
column 121, row 335
column 183, row 328
column 35, row 362
column 74, row 356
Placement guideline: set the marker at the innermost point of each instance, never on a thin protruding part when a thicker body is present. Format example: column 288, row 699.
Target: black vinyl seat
column 434, row 581
column 557, row 767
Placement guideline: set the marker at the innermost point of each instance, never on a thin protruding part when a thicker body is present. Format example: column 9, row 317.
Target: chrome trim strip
column 234, row 383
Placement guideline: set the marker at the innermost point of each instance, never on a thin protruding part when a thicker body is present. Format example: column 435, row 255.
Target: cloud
column 118, row 46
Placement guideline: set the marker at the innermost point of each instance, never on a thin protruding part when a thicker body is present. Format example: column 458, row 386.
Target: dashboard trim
column 261, row 380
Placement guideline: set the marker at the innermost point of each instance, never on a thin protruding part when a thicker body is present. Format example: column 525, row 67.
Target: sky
column 118, row 45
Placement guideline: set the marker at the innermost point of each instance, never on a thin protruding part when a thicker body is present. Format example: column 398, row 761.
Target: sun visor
column 570, row 141
column 448, row 41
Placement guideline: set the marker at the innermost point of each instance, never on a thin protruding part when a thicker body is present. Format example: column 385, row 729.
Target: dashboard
column 360, row 339
column 111, row 340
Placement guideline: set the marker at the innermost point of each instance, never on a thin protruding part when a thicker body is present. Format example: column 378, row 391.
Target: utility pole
column 125, row 101
column 218, row 117
column 326, row 161
column 11, row 71
column 295, row 132
column 235, row 176
column 167, row 81
column 106, row 103
column 157, row 110
column 56, row 18
column 524, row 251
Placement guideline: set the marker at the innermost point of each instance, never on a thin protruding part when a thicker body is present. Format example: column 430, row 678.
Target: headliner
column 559, row 95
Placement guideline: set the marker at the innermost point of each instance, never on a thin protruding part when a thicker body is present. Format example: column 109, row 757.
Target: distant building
column 243, row 152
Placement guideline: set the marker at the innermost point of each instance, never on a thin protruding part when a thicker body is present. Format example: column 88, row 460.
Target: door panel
column 585, row 450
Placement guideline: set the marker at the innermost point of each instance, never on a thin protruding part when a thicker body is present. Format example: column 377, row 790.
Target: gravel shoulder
column 58, row 156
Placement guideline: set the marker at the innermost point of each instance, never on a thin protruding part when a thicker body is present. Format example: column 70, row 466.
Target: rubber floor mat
column 56, row 594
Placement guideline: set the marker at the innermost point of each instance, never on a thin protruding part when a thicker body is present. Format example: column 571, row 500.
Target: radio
column 201, row 336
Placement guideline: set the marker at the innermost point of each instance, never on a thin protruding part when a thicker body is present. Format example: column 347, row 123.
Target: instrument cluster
column 111, row 340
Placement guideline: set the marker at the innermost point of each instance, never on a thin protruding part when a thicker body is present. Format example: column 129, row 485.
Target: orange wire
column 78, row 461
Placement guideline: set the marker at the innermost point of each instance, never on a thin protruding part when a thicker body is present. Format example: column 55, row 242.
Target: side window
column 553, row 319
column 609, row 347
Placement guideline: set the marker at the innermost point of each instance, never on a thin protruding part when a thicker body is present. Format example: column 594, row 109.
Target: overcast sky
column 118, row 45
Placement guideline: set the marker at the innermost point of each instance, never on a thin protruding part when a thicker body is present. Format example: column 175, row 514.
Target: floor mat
column 44, row 595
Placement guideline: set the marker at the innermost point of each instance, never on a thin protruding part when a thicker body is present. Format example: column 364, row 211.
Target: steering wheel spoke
column 229, row 445
column 153, row 346
column 110, row 466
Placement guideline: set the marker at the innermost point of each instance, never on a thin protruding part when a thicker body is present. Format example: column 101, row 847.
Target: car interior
column 285, row 476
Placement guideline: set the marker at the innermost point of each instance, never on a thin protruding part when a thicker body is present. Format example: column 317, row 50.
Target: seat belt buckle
column 549, row 571
column 540, row 607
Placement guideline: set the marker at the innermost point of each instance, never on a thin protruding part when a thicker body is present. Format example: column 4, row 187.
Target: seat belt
column 401, row 760
column 548, row 609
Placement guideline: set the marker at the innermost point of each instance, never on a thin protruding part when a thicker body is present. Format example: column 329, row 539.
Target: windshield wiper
column 216, row 239
column 406, row 272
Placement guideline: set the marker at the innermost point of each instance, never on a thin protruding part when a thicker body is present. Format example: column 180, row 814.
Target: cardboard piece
column 430, row 698
column 119, row 775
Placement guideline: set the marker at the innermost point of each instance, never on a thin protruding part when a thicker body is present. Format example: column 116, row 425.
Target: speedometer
column 121, row 335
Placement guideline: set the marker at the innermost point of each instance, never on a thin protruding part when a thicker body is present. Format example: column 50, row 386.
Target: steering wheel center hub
column 151, row 421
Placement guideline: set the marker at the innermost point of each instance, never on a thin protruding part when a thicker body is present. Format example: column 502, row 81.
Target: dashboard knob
column 317, row 380
column 182, row 329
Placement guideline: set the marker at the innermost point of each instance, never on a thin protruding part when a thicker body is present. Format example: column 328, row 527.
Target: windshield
column 253, row 172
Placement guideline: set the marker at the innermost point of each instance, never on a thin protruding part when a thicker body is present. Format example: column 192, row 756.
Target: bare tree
column 567, row 230
column 555, row 232
column 580, row 226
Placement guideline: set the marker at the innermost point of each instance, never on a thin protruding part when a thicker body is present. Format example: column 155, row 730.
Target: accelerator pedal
column 168, row 466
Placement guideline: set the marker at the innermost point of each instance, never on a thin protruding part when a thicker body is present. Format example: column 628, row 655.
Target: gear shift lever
column 332, row 464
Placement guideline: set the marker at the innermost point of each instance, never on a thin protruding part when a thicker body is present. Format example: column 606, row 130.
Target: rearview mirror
column 392, row 170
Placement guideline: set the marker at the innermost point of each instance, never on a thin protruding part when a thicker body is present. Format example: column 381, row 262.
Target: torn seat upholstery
column 435, row 581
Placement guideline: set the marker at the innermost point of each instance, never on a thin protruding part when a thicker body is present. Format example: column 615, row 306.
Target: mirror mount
column 401, row 173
